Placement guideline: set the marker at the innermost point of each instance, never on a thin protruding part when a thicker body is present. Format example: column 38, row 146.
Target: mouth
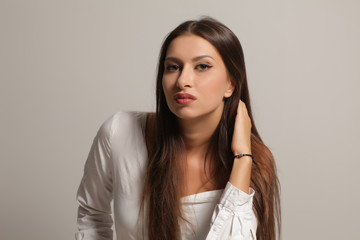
column 184, row 98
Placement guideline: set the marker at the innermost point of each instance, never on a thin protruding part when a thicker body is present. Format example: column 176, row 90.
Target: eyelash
column 173, row 67
column 203, row 67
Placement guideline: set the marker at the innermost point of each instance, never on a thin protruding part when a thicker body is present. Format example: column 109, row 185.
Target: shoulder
column 123, row 122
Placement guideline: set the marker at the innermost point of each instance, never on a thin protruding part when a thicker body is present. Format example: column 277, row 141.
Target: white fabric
column 115, row 170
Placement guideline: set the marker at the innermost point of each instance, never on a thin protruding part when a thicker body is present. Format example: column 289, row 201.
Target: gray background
column 66, row 66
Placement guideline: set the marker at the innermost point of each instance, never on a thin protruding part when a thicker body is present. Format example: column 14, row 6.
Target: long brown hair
column 163, row 176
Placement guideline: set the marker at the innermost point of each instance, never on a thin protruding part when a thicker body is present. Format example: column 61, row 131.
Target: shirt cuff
column 235, row 199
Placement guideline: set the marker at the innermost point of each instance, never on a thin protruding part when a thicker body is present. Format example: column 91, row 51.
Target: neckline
column 206, row 194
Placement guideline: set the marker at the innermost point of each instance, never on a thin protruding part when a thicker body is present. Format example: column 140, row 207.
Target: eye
column 172, row 68
column 203, row 67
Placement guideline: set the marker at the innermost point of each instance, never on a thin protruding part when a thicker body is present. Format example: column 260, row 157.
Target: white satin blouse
column 115, row 170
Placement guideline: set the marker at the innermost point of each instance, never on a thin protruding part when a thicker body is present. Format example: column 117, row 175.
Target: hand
column 242, row 131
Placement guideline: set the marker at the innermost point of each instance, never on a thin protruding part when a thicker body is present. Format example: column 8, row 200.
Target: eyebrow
column 194, row 59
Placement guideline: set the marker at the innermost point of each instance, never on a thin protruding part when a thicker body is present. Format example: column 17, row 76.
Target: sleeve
column 94, row 194
column 233, row 216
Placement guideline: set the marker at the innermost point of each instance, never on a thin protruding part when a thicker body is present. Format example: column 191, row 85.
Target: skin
column 194, row 66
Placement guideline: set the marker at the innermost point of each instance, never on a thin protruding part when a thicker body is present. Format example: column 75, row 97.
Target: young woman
column 195, row 169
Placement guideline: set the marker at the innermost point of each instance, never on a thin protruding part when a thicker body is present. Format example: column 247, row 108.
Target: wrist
column 242, row 151
column 244, row 155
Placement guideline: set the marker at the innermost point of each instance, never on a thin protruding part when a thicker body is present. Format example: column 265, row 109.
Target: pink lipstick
column 184, row 98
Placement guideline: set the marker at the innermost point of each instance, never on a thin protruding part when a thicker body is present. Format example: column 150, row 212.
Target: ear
column 230, row 89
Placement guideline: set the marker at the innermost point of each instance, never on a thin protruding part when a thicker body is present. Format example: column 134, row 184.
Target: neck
column 197, row 133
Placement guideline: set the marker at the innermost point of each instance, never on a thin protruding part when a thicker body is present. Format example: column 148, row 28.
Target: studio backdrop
column 66, row 66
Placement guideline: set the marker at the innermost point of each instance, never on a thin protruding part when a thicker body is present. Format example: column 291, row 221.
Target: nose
column 185, row 78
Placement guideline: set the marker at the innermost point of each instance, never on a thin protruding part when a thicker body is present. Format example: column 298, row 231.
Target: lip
column 184, row 98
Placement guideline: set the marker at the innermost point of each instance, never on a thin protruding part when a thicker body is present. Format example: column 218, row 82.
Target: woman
column 195, row 169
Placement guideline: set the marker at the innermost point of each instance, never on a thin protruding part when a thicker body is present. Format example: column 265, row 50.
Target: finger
column 241, row 108
column 247, row 114
column 245, row 109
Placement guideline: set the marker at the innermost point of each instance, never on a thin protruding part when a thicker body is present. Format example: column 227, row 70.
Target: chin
column 194, row 112
column 185, row 113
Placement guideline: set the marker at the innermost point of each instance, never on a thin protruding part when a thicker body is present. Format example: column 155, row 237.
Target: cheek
column 165, row 85
column 167, row 89
column 214, row 88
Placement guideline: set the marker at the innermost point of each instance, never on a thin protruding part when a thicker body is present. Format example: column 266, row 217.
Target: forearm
column 241, row 144
column 241, row 173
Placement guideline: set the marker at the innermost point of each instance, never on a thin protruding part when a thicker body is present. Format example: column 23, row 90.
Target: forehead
column 190, row 46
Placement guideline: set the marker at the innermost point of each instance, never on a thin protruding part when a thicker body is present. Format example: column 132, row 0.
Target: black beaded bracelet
column 241, row 155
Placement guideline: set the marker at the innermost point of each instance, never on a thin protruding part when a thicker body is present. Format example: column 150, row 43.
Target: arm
column 233, row 217
column 241, row 172
column 95, row 191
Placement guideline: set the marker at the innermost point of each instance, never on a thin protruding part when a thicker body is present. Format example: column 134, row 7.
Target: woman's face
column 195, row 79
